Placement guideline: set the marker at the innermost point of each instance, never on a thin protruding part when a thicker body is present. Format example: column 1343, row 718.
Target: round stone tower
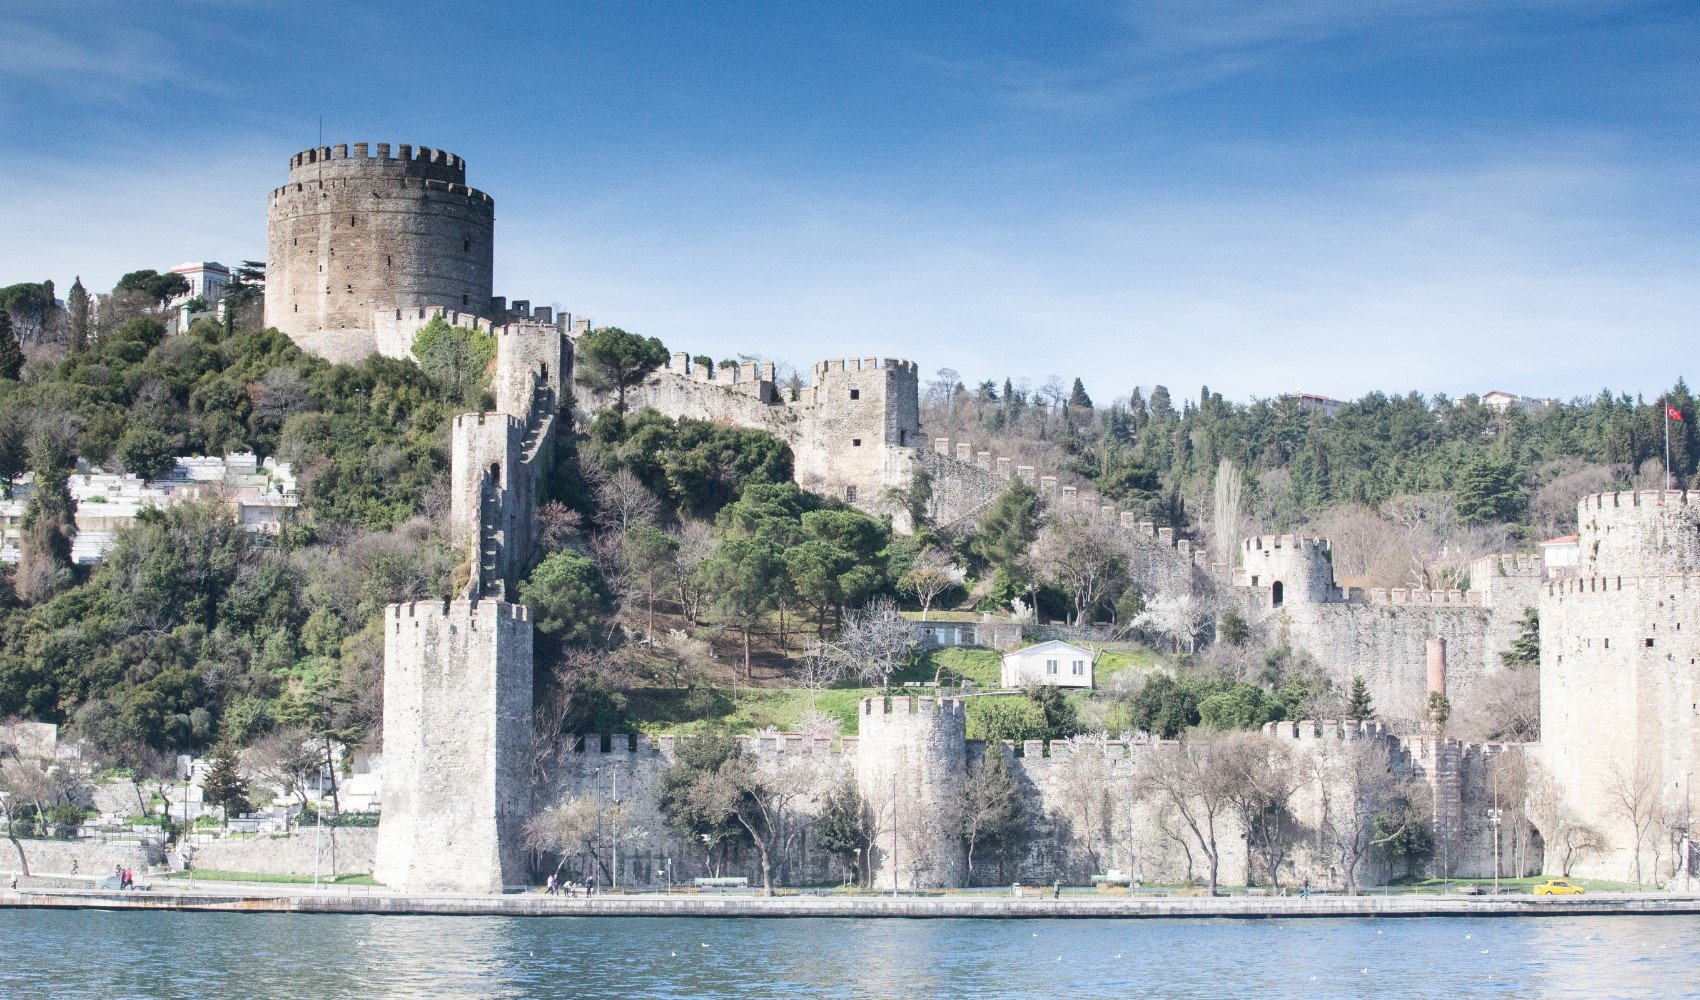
column 1620, row 672
column 911, row 761
column 1289, row 569
column 359, row 246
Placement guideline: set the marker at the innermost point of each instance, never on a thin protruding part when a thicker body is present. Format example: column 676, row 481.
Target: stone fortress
column 1384, row 635
column 363, row 250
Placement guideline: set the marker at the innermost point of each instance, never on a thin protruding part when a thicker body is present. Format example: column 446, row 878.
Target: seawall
column 985, row 906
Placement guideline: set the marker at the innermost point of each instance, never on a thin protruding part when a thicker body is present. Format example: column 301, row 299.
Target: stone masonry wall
column 457, row 744
column 352, row 237
column 79, row 857
column 854, row 432
column 343, row 851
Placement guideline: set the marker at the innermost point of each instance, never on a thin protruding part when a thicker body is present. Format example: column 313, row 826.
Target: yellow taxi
column 1558, row 887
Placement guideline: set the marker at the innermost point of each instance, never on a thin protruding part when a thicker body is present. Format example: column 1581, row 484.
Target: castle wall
column 457, row 746
column 1382, row 636
column 355, row 237
column 458, row 676
column 911, row 761
column 652, row 851
column 1619, row 686
column 852, row 433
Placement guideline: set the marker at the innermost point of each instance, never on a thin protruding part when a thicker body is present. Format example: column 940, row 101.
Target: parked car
column 1558, row 887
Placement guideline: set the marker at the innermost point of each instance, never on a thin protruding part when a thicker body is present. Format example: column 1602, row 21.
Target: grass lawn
column 1114, row 661
column 1523, row 885
column 982, row 666
column 212, row 875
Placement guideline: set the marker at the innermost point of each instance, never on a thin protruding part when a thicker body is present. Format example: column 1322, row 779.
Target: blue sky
column 1337, row 196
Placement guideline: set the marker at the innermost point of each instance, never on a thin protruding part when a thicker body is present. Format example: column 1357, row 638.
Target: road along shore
column 295, row 899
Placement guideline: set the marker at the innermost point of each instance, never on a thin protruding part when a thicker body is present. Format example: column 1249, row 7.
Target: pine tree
column 223, row 784
column 1525, row 650
column 77, row 304
column 1438, row 710
column 1077, row 396
column 1359, row 706
column 11, row 353
column 44, row 564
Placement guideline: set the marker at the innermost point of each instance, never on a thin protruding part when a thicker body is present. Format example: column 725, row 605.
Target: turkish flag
column 1672, row 412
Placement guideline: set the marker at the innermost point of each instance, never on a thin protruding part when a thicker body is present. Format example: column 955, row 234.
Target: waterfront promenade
column 299, row 899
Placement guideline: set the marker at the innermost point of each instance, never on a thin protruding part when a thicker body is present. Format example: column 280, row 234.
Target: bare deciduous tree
column 622, row 499
column 874, row 643
column 1181, row 616
column 1227, row 521
column 1633, row 791
column 1357, row 784
column 1566, row 836
column 696, row 544
column 930, row 576
column 1083, row 794
column 1187, row 781
column 1085, row 556
column 1261, row 777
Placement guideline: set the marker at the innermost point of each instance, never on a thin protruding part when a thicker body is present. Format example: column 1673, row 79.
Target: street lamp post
column 1493, row 817
column 183, row 841
column 319, row 826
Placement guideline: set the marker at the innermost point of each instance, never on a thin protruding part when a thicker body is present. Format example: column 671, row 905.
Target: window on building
column 1051, row 667
column 387, row 262
column 350, row 289
column 855, row 442
column 855, row 394
column 466, row 245
column 465, row 300
column 351, row 222
column 850, row 493
column 1080, row 668
column 1649, row 643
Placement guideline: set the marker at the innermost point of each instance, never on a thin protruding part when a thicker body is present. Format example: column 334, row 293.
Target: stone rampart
column 854, row 432
column 335, row 851
column 80, row 857
column 1620, row 679
column 457, row 746
column 352, row 238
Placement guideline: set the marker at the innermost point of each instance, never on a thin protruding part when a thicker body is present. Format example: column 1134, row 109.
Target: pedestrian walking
column 1304, row 888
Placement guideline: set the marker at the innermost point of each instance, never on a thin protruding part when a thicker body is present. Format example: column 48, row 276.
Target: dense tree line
column 1152, row 454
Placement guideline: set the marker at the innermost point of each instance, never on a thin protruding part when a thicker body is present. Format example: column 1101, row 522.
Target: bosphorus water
column 161, row 954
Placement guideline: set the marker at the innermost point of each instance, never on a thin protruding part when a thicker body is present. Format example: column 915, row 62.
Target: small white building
column 261, row 497
column 208, row 280
column 1500, row 401
column 1561, row 556
column 1056, row 662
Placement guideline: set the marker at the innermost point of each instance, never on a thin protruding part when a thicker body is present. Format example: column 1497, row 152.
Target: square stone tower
column 457, row 746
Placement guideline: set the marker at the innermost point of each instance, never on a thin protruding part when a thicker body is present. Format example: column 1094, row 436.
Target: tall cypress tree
column 44, row 565
column 77, row 304
column 11, row 352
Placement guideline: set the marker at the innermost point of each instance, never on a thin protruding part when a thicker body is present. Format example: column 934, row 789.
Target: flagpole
column 1667, row 445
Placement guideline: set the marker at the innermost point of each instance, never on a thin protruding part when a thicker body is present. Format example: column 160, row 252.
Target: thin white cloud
column 103, row 62
column 1510, row 273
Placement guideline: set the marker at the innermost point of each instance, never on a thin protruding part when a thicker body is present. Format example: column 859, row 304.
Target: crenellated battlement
column 428, row 613
column 1408, row 596
column 682, row 365
column 420, row 161
column 1585, row 585
column 824, row 370
column 913, row 705
column 1296, row 543
column 1507, row 565
column 1632, row 499
column 1327, row 729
